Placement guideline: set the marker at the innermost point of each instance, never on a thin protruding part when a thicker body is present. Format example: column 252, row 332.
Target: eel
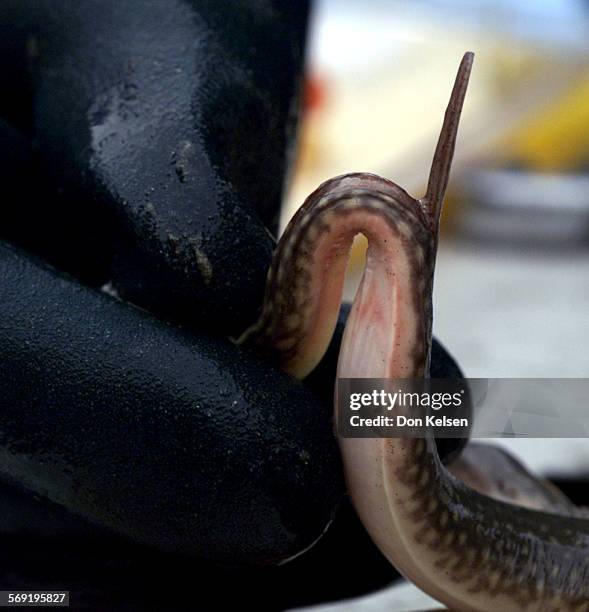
column 495, row 472
column 100, row 95
column 464, row 548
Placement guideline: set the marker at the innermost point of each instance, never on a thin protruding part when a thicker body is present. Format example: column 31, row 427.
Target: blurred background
column 511, row 295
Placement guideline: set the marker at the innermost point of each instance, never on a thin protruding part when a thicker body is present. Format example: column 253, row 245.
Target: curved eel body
column 493, row 471
column 464, row 548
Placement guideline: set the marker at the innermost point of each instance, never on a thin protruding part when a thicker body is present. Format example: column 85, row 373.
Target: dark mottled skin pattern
column 289, row 277
column 480, row 545
column 112, row 414
column 493, row 547
column 166, row 127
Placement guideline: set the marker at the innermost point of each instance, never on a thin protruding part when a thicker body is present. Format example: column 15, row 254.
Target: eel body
column 158, row 96
column 466, row 549
column 148, row 144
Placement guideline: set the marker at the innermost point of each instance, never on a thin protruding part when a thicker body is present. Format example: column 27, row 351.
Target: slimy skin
column 493, row 471
column 305, row 282
column 464, row 548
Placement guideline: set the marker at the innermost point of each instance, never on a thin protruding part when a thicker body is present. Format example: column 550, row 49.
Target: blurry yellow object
column 378, row 86
column 554, row 138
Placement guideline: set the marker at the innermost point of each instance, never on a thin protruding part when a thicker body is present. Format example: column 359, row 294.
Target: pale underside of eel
column 465, row 548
